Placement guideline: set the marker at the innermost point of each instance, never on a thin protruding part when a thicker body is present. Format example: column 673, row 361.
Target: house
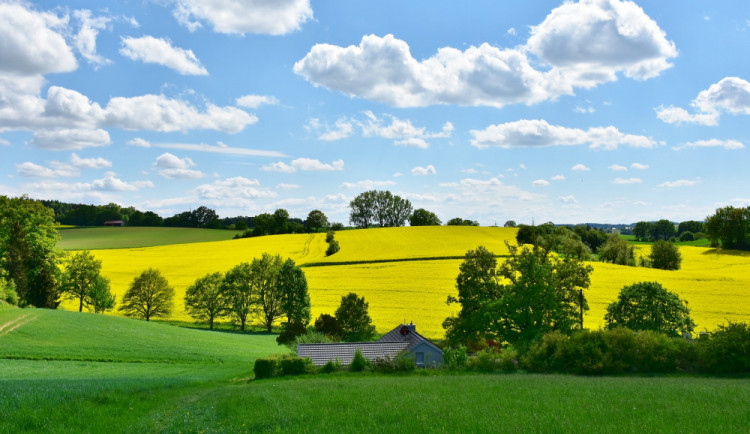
column 403, row 339
column 114, row 223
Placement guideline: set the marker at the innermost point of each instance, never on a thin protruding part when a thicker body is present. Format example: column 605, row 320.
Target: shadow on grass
column 717, row 251
column 219, row 328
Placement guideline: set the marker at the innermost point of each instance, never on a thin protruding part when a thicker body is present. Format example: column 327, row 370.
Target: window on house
column 420, row 358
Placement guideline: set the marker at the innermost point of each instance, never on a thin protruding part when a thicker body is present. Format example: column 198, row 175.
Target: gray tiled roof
column 320, row 354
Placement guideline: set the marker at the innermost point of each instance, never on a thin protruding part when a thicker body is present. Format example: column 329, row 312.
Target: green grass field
column 697, row 243
column 87, row 238
column 77, row 372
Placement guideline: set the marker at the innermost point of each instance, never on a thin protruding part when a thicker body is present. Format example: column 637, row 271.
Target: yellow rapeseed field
column 715, row 284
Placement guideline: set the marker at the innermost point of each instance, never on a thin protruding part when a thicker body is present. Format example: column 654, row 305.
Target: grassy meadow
column 108, row 237
column 407, row 273
column 79, row 372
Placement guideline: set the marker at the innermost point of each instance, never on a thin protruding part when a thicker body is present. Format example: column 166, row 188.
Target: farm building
column 114, row 223
column 403, row 339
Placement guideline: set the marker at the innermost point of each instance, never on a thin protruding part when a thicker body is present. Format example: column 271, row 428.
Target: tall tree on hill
column 28, row 253
column 280, row 221
column 295, row 301
column 422, row 217
column 354, row 319
column 264, row 276
column 239, row 293
column 363, row 209
column 381, row 207
column 730, row 227
column 204, row 299
column 149, row 296
column 316, row 220
column 649, row 306
column 81, row 274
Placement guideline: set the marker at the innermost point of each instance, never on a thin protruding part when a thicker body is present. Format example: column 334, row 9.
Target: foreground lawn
column 127, row 237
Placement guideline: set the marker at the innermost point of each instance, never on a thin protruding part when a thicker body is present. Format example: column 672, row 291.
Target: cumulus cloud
column 712, row 143
column 558, row 178
column 423, row 171
column 70, row 139
column 474, row 190
column 255, row 101
column 233, row 188
column 111, row 182
column 304, row 164
column 342, row 129
column 149, row 49
column 570, row 199
column 639, row 166
column 172, row 167
column 540, row 183
column 32, row 170
column 139, row 142
column 283, row 186
column 680, row 183
column 89, row 163
column 367, row 184
column 85, row 39
column 730, row 94
column 539, row 133
column 579, row 44
column 220, row 148
column 618, row 168
column 580, row 168
column 248, row 16
column 624, row 181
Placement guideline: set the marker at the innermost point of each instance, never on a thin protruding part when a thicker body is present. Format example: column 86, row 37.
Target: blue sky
column 586, row 111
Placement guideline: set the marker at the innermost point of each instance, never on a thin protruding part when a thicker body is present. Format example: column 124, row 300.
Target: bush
column 290, row 332
column 329, row 326
column 294, row 365
column 404, row 363
column 331, row 366
column 484, row 361
column 8, row 292
column 310, row 337
column 687, row 236
column 333, row 247
column 509, row 359
column 455, row 358
column 665, row 256
column 264, row 368
column 359, row 363
column 286, row 364
column 649, row 306
column 329, row 236
column 548, row 354
column 727, row 350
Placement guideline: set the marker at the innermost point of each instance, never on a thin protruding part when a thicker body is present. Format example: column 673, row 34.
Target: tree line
column 385, row 209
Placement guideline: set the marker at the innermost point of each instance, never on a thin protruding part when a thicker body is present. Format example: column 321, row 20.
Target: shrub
column 484, row 361
column 509, row 359
column 310, row 337
column 359, row 363
column 727, row 350
column 329, row 236
column 331, row 366
column 290, row 332
column 665, row 256
column 329, row 326
column 333, row 247
column 264, row 368
column 649, row 306
column 548, row 354
column 403, row 363
column 294, row 365
column 455, row 358
column 337, row 226
column 8, row 291
column 655, row 353
column 617, row 251
column 687, row 236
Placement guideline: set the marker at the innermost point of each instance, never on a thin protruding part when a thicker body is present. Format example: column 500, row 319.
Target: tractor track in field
column 306, row 248
column 16, row 323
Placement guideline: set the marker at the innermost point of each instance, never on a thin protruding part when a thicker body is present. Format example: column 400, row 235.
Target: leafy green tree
column 730, row 227
column 352, row 314
column 422, row 217
column 316, row 220
column 81, row 272
column 362, row 209
column 8, row 292
column 329, row 326
column 280, row 221
column 642, row 231
column 617, row 251
column 28, row 252
column 458, row 221
column 689, row 226
column 295, row 300
column 204, row 299
column 149, row 296
column 665, row 255
column 649, row 306
column 99, row 297
column 239, row 292
column 264, row 275
column 264, row 224
column 662, row 230
column 381, row 207
column 510, row 224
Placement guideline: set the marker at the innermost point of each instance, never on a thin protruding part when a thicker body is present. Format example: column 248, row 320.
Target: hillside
column 76, row 238
column 405, row 276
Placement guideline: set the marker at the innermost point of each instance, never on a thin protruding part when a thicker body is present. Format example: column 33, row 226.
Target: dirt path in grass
column 15, row 323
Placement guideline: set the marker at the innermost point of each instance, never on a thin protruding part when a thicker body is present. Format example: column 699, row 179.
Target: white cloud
column 580, row 168
column 70, row 139
column 470, row 171
column 367, row 184
column 85, row 39
column 540, row 183
column 473, row 190
column 527, row 133
column 730, row 94
column 623, row 181
column 172, row 167
column 202, row 147
column 287, row 186
column 639, row 166
column 31, row 170
column 580, row 45
column 423, row 171
column 232, row 189
column 712, row 143
column 414, row 142
column 584, row 110
column 276, row 17
column 255, row 101
column 89, row 163
column 680, row 183
column 618, row 168
column 342, row 130
column 139, row 142
column 304, row 164
column 558, row 178
column 33, row 42
column 111, row 182
column 148, row 49
column 570, row 199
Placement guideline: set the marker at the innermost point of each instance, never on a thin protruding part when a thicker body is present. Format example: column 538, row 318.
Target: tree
column 665, row 255
column 264, row 224
column 8, row 292
column 28, row 252
column 399, row 211
column 280, row 221
column 530, row 294
column 204, row 299
column 662, row 230
column 202, row 216
column 510, row 224
column 730, row 227
column 690, row 226
column 642, row 231
column 99, row 297
column 379, row 206
column 422, row 217
column 617, row 251
column 354, row 319
column 649, row 306
column 295, row 297
column 239, row 293
column 149, row 296
column 362, row 209
column 264, row 275
column 316, row 220
column 81, row 272
column 329, row 326
column 458, row 221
